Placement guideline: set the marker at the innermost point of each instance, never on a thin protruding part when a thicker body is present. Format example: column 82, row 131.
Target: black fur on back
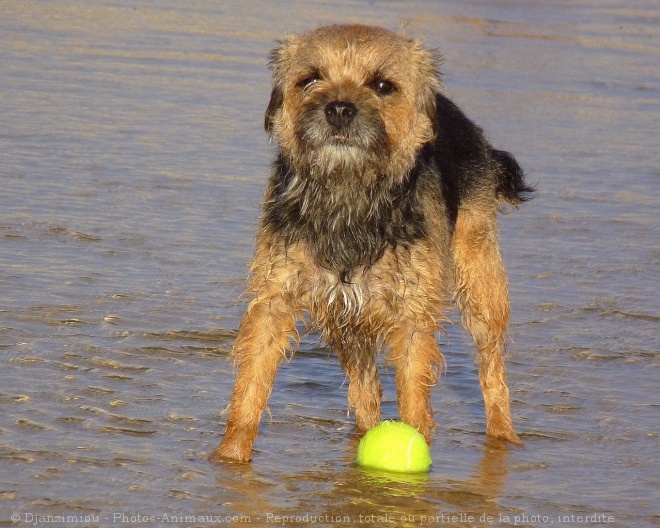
column 466, row 161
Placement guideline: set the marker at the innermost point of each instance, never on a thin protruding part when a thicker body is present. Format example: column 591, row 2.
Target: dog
column 382, row 203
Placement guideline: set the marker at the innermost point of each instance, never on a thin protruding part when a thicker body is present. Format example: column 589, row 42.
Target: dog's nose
column 340, row 113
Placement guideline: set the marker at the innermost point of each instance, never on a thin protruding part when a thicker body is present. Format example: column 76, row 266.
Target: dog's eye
column 306, row 82
column 383, row 87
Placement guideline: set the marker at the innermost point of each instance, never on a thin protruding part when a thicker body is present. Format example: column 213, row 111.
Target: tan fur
column 483, row 298
column 396, row 303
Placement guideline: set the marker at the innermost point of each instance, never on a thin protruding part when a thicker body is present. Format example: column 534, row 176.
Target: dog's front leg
column 416, row 357
column 263, row 339
column 364, row 391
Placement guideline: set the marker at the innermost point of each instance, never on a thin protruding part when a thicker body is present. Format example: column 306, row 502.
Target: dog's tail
column 511, row 185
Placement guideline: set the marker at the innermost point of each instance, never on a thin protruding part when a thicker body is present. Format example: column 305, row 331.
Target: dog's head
column 352, row 102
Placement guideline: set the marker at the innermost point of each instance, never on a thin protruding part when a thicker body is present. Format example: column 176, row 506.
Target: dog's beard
column 356, row 153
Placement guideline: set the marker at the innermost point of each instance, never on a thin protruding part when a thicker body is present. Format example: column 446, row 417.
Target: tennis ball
column 394, row 446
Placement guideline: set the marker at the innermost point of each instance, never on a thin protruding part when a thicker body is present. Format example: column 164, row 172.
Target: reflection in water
column 362, row 495
column 491, row 472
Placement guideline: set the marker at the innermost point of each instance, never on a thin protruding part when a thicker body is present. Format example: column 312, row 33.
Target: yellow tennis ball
column 394, row 446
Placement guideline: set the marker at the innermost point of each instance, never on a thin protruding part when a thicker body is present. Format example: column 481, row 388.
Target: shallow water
column 132, row 165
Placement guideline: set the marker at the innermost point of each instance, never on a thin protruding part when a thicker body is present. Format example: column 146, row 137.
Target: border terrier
column 382, row 203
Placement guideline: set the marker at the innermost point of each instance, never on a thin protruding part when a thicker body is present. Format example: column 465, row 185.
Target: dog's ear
column 279, row 59
column 276, row 99
column 429, row 61
column 431, row 109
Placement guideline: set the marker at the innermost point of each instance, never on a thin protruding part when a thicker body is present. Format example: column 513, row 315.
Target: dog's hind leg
column 483, row 298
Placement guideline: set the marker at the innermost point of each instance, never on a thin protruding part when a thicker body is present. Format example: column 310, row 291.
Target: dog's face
column 352, row 102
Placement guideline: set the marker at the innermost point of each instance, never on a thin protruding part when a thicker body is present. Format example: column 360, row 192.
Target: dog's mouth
column 341, row 139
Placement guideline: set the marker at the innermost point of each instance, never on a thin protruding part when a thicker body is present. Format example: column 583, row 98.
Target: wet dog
column 381, row 204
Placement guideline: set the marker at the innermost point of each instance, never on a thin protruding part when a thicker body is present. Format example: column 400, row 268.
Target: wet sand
column 132, row 165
